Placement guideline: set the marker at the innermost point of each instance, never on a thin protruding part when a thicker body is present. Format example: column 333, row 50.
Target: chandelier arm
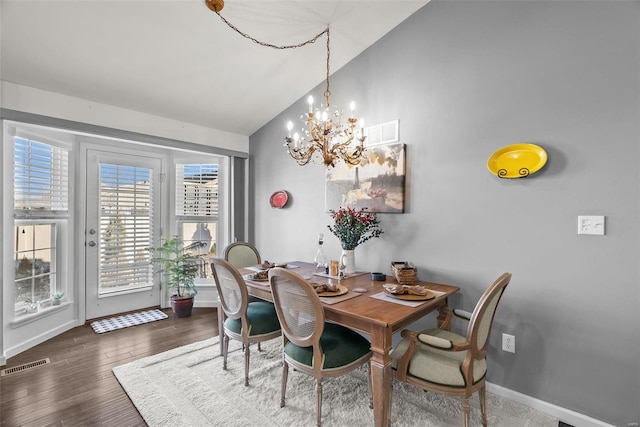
column 274, row 46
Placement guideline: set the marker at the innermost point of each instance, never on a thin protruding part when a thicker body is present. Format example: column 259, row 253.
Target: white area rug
column 133, row 319
column 187, row 387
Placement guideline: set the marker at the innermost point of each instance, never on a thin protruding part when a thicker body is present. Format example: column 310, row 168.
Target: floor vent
column 24, row 367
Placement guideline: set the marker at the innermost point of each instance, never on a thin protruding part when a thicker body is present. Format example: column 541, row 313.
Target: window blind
column 41, row 176
column 197, row 190
column 126, row 231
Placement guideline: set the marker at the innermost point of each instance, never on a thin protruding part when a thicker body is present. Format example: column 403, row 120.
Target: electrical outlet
column 509, row 343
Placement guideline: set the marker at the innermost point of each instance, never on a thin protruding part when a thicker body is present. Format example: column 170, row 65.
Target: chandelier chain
column 327, row 92
column 274, row 46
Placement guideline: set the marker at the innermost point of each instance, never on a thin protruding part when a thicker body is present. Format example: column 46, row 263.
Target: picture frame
column 377, row 183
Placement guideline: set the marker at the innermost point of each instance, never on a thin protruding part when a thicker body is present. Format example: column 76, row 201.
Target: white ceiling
column 177, row 59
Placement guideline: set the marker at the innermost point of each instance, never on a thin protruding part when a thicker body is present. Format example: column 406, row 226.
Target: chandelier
column 325, row 131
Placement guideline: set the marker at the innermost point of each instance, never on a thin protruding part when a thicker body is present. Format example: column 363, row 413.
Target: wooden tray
column 411, row 297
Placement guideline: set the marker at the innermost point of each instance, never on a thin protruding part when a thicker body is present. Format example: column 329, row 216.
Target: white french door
column 122, row 223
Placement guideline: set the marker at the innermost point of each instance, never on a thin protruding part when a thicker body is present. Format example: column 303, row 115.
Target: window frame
column 61, row 218
column 220, row 218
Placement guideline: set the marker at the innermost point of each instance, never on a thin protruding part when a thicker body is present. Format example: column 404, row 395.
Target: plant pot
column 182, row 306
column 55, row 301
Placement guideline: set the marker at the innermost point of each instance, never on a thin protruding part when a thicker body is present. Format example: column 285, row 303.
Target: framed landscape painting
column 377, row 183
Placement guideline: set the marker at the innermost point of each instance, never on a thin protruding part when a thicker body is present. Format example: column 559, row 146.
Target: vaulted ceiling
column 177, row 59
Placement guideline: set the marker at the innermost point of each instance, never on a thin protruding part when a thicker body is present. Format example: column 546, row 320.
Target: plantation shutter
column 126, row 229
column 197, row 190
column 41, row 181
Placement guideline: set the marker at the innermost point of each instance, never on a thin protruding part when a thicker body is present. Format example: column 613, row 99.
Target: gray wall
column 464, row 79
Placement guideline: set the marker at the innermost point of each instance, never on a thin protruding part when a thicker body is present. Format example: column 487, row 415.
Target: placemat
column 335, row 300
column 384, row 297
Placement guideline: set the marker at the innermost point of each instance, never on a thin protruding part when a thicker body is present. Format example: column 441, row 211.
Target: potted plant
column 57, row 297
column 180, row 268
column 31, row 306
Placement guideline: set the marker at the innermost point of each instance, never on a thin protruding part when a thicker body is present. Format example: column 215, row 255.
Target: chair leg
column 221, row 326
column 483, row 404
column 225, row 350
column 465, row 410
column 285, row 374
column 247, row 354
column 319, row 401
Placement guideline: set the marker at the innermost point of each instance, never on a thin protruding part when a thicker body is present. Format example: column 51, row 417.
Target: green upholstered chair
column 445, row 362
column 310, row 345
column 240, row 255
column 245, row 322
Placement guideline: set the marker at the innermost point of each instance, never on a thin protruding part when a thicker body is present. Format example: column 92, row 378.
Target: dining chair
column 240, row 255
column 247, row 322
column 442, row 361
column 311, row 345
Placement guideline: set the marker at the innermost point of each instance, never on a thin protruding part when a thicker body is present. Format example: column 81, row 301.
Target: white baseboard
column 26, row 345
column 565, row 415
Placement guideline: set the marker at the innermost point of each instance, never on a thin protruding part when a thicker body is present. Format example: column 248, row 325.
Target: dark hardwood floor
column 78, row 388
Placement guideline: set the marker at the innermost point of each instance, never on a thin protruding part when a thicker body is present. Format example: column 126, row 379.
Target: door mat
column 119, row 322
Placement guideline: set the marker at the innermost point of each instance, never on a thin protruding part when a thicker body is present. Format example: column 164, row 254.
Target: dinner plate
column 341, row 291
column 517, row 160
column 279, row 199
column 410, row 297
column 255, row 278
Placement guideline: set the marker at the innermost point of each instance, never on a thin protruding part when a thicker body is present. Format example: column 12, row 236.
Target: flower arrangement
column 354, row 227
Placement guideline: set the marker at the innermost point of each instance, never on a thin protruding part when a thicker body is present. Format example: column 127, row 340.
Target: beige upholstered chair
column 240, row 255
column 442, row 361
column 246, row 322
column 310, row 345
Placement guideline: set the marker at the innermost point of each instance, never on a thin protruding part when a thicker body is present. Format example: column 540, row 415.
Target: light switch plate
column 591, row 224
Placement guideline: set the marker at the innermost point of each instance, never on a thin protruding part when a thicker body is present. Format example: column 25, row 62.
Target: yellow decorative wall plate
column 517, row 160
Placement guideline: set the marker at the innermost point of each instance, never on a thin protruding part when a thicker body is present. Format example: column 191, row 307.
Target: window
column 126, row 227
column 35, row 266
column 197, row 208
column 41, row 205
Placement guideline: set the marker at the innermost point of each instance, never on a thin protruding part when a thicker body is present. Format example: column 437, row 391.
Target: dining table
column 363, row 305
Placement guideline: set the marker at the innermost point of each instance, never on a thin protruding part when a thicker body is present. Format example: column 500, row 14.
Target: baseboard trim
column 566, row 415
column 10, row 352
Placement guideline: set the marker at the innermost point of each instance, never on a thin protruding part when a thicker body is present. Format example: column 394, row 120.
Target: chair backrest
column 299, row 310
column 242, row 254
column 482, row 317
column 232, row 290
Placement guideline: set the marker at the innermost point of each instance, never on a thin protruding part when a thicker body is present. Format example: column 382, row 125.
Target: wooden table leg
column 381, row 376
column 444, row 317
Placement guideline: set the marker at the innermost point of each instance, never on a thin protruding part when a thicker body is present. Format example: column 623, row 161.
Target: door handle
column 92, row 243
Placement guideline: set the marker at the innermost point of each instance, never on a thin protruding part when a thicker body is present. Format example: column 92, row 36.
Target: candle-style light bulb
column 353, row 108
column 289, row 127
column 361, row 128
column 296, row 138
column 310, row 101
